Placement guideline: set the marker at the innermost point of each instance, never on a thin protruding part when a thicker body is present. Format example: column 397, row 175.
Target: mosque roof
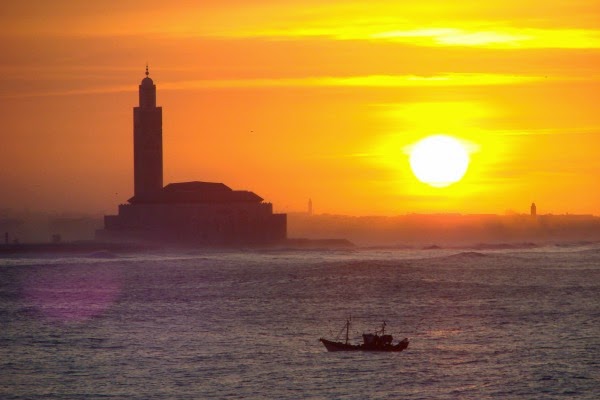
column 147, row 81
column 200, row 192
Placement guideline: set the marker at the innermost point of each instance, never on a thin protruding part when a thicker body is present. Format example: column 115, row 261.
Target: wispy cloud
column 366, row 81
column 478, row 35
column 496, row 37
column 432, row 23
column 376, row 81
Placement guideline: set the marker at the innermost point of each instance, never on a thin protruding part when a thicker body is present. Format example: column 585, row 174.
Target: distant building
column 12, row 228
column 533, row 210
column 310, row 207
column 187, row 212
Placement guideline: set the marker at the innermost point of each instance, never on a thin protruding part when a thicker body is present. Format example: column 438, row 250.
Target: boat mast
column 347, row 329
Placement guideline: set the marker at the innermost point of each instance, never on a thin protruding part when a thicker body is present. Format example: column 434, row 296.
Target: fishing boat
column 376, row 341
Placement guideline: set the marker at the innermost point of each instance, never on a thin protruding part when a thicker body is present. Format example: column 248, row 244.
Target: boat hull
column 339, row 346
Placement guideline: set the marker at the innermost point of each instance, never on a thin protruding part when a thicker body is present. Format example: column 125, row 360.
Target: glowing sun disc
column 439, row 160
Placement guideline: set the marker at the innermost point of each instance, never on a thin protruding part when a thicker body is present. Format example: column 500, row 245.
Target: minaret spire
column 147, row 142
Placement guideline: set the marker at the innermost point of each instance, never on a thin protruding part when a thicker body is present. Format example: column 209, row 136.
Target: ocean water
column 495, row 324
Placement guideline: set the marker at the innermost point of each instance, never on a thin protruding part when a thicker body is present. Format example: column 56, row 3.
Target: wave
column 433, row 247
column 590, row 252
column 468, row 254
column 503, row 246
column 102, row 254
column 389, row 247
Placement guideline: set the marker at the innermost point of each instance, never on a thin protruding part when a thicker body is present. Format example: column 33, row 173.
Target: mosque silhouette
column 203, row 213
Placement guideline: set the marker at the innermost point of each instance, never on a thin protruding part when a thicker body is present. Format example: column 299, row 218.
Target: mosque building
column 203, row 213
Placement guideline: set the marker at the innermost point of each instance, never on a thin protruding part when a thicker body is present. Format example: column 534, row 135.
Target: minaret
column 147, row 143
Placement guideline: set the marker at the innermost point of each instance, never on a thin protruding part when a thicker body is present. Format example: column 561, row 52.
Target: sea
column 496, row 323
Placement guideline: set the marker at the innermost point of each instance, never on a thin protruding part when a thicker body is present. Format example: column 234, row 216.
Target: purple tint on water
column 73, row 294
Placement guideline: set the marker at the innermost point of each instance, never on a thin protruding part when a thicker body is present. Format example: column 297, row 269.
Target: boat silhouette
column 376, row 341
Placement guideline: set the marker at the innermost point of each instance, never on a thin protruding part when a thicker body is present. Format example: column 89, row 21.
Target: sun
column 439, row 160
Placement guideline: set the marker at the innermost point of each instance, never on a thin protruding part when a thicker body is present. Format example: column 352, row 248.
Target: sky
column 298, row 99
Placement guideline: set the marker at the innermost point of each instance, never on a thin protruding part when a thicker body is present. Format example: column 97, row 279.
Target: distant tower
column 310, row 210
column 533, row 210
column 147, row 142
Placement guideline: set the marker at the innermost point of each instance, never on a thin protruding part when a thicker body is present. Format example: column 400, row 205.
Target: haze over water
column 516, row 324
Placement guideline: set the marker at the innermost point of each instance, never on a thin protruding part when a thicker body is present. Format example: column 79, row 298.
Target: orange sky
column 305, row 99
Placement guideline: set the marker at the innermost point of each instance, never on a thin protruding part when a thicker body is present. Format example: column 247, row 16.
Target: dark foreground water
column 508, row 324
